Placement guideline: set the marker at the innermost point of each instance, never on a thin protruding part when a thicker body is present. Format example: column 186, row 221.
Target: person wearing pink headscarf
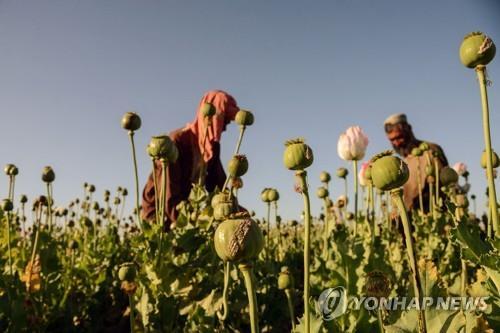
column 199, row 157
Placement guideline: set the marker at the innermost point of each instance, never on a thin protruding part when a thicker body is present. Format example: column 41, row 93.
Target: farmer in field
column 198, row 157
column 400, row 134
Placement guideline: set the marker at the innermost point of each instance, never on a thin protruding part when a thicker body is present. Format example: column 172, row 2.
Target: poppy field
column 93, row 266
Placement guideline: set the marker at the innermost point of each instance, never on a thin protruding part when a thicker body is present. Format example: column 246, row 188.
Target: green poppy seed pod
column 285, row 279
column 297, row 155
column 429, row 170
column 117, row 201
column 91, row 188
column 48, row 175
column 388, row 172
column 7, row 205
column 208, row 110
column 127, row 272
column 273, row 195
column 223, row 209
column 73, row 245
column 131, row 121
column 244, row 118
column 324, row 177
column 424, row 146
column 85, row 221
column 349, row 216
column 322, row 192
column 23, row 199
column 95, row 205
column 417, row 152
column 342, row 172
column 238, row 166
column 237, row 183
column 7, row 168
column 477, row 49
column 377, row 285
column 448, row 176
column 124, row 192
column 264, row 195
column 220, row 197
column 238, row 238
column 494, row 159
column 162, row 147
column 11, row 170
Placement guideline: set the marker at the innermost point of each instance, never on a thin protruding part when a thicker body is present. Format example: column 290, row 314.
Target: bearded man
column 400, row 134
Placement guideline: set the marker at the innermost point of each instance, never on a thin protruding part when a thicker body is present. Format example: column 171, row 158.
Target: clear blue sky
column 70, row 69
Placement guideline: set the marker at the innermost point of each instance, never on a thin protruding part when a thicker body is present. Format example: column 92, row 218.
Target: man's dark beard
column 406, row 149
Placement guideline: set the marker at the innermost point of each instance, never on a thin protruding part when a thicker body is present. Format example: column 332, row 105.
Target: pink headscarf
column 226, row 108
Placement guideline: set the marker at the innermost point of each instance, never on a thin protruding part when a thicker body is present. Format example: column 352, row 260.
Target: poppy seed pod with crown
column 342, row 172
column 208, row 110
column 238, row 238
column 238, row 166
column 11, row 170
column 273, row 195
column 48, row 175
column 163, row 148
column 388, row 172
column 23, row 199
column 220, row 197
column 448, row 176
column 244, row 118
column 263, row 195
column 494, row 159
column 477, row 49
column 131, row 121
column 322, row 192
column 7, row 205
column 285, row 279
column 297, row 155
column 324, row 177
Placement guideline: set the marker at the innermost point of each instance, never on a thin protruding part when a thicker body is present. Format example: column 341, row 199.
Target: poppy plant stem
column 247, row 271
column 302, row 177
column 136, row 174
column 355, row 175
column 397, row 195
column 225, row 307
column 480, row 70
column 240, row 138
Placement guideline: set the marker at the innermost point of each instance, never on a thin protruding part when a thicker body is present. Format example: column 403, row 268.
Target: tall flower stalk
column 351, row 146
column 492, row 196
column 132, row 122
column 389, row 173
column 298, row 156
column 7, row 207
column 476, row 51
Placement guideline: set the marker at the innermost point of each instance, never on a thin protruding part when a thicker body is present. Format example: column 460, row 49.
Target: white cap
column 396, row 118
